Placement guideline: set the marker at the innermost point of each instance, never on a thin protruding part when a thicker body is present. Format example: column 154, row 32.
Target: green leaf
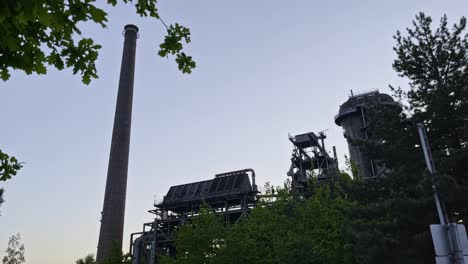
column 98, row 15
column 4, row 74
column 35, row 33
column 9, row 166
column 173, row 45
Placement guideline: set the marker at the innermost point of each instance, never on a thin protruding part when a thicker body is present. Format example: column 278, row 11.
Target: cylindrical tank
column 352, row 117
column 113, row 212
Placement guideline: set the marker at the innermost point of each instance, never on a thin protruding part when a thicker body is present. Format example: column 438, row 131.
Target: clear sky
column 265, row 68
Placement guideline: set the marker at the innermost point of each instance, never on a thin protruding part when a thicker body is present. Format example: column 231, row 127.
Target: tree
column 292, row 230
column 436, row 64
column 391, row 222
column 89, row 259
column 199, row 241
column 286, row 230
column 116, row 256
column 9, row 167
column 15, row 251
column 37, row 33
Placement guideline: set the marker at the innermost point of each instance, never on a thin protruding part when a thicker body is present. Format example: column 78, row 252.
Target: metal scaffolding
column 310, row 159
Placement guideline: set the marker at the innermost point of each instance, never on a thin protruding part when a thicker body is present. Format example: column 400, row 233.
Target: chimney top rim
column 131, row 27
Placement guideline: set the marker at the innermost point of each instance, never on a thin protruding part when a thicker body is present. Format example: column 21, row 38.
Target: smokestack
column 113, row 212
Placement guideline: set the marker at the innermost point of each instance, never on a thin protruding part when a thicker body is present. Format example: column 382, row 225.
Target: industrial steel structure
column 353, row 118
column 229, row 194
column 113, row 212
column 310, row 159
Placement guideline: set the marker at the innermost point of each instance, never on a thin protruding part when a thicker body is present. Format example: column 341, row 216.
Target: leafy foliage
column 287, row 230
column 292, row 231
column 199, row 241
column 9, row 166
column 390, row 223
column 436, row 63
column 15, row 251
column 116, row 256
column 37, row 33
column 172, row 44
column 89, row 259
column 343, row 221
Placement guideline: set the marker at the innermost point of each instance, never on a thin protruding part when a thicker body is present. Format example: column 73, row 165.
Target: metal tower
column 113, row 213
column 352, row 117
column 310, row 159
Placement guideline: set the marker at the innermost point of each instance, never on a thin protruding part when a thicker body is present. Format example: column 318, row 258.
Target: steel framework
column 310, row 159
column 229, row 194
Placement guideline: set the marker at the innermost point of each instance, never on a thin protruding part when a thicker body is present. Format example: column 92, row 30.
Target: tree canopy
column 116, row 256
column 288, row 230
column 9, row 166
column 436, row 64
column 14, row 251
column 89, row 259
column 37, row 33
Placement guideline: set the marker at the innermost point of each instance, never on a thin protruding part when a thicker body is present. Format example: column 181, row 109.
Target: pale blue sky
column 265, row 68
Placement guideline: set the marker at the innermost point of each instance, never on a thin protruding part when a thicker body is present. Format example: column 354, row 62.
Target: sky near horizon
column 264, row 69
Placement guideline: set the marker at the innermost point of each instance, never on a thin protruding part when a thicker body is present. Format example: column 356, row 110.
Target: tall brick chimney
column 113, row 212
